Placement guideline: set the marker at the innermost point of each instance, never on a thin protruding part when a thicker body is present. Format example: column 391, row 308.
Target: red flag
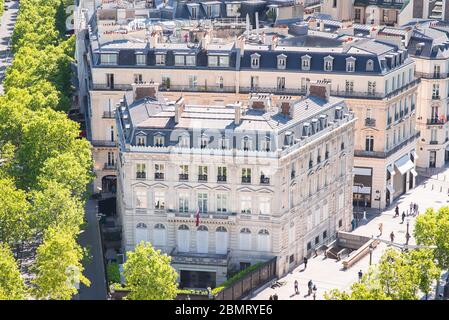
column 197, row 217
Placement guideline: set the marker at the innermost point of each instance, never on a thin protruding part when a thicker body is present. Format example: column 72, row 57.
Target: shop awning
column 359, row 190
column 390, row 188
column 413, row 171
column 404, row 164
column 362, row 171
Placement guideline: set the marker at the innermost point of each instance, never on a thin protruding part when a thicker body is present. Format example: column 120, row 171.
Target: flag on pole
column 198, row 217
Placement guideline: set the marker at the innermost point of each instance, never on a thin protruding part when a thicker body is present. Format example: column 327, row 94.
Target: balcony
column 110, row 166
column 434, row 75
column 264, row 180
column 292, row 91
column 108, row 114
column 436, row 121
column 197, row 88
column 183, row 176
column 141, row 175
column 369, row 122
column 158, row 176
column 103, row 143
column 221, row 178
column 246, row 179
column 386, row 154
column 104, row 86
column 202, row 177
column 433, row 142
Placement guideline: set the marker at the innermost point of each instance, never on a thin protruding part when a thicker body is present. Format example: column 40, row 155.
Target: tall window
column 159, row 141
column 183, row 202
column 436, row 71
column 111, row 159
column 305, row 63
column 140, row 171
column 255, row 60
column 159, row 200
column 184, row 141
column 141, row 199
column 202, row 173
column 254, row 82
column 369, row 143
column 202, row 202
column 183, row 172
column 281, row 83
column 138, row 78
column 222, row 173
column 349, row 86
column 112, row 133
column 328, row 63
column 222, row 202
column 141, row 141
column 159, row 171
column 372, row 87
column 350, row 65
column 246, row 144
column 264, row 205
column 435, row 91
column 245, row 203
column 282, row 61
column 246, row 175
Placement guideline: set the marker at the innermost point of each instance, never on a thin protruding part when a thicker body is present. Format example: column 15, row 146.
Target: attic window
column 289, row 137
column 282, row 61
column 305, row 62
column 369, row 65
column 255, row 61
column 141, row 59
column 160, row 59
column 109, row 58
column 350, row 64
column 141, row 141
column 328, row 63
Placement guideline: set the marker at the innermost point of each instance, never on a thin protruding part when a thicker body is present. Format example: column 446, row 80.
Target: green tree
column 54, row 206
column 432, row 229
column 58, row 266
column 14, row 210
column 149, row 275
column 11, row 282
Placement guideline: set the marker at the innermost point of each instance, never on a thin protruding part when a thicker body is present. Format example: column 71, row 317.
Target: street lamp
column 407, row 235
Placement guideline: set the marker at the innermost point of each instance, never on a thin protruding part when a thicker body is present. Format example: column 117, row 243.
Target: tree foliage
column 398, row 276
column 149, row 275
column 432, row 229
column 58, row 268
column 11, row 282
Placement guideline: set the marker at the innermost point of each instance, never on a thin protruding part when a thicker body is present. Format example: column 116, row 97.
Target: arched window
column 369, row 65
column 141, row 233
column 202, row 239
column 245, row 239
column 246, row 143
column 221, row 240
column 263, row 240
column 183, row 238
column 159, row 235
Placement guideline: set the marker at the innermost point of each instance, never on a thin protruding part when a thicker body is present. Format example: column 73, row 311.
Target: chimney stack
column 145, row 90
column 237, row 113
column 320, row 89
column 179, row 109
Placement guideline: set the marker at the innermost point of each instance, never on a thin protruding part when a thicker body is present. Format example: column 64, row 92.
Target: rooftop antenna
column 247, row 25
column 257, row 24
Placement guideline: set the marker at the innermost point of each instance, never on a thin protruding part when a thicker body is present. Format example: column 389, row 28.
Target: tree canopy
column 11, row 282
column 149, row 275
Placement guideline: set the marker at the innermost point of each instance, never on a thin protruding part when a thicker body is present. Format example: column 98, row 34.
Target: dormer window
column 369, row 65
column 184, row 141
column 224, row 143
column 289, row 138
column 160, row 59
column 159, row 140
column 265, row 144
column 109, row 58
column 328, row 63
column 306, row 130
column 141, row 141
column 350, row 64
column 204, row 141
column 246, row 144
column 218, row 61
column 305, row 62
column 255, row 61
column 141, row 59
column 282, row 61
column 185, row 59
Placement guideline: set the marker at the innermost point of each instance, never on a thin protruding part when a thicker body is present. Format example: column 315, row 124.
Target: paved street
column 328, row 273
column 7, row 26
column 94, row 269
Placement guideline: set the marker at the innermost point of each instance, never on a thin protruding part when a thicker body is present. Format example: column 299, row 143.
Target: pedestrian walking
column 296, row 287
column 275, row 296
column 380, row 228
column 310, row 286
column 305, row 263
column 403, row 216
column 314, row 292
column 396, row 214
column 271, row 297
column 392, row 236
column 360, row 275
